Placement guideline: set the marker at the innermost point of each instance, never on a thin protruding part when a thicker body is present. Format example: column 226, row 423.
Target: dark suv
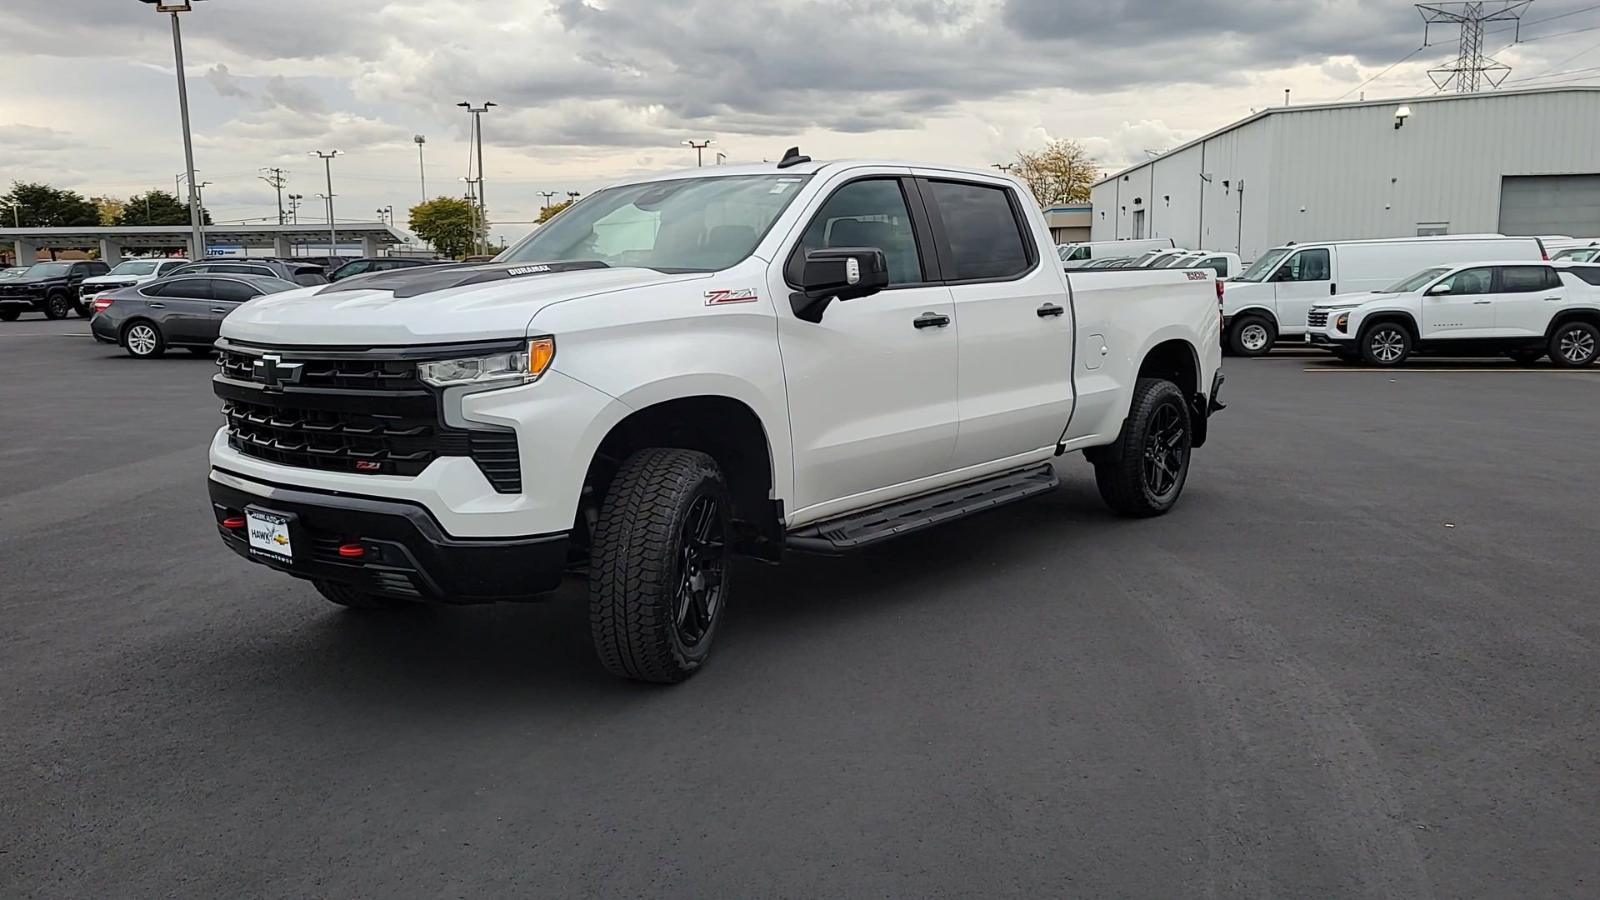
column 370, row 264
column 50, row 287
column 304, row 274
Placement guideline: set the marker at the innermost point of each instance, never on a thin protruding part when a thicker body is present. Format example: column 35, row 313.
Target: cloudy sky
column 592, row 90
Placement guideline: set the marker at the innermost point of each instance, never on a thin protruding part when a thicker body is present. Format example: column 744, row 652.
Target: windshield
column 1264, row 266
column 134, row 267
column 688, row 225
column 1577, row 255
column 47, row 270
column 1416, row 282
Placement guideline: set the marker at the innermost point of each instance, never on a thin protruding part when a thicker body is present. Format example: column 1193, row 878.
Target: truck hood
column 1351, row 301
column 429, row 305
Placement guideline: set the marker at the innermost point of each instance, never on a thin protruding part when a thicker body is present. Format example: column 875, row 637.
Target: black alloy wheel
column 702, row 564
column 57, row 306
column 1166, row 449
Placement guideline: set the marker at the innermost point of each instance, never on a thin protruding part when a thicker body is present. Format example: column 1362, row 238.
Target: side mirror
column 1438, row 289
column 838, row 273
column 1283, row 274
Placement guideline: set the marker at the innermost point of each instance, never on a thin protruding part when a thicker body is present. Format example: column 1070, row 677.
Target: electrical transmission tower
column 1472, row 68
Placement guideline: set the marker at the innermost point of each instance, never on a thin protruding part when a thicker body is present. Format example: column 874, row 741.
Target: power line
column 1383, row 73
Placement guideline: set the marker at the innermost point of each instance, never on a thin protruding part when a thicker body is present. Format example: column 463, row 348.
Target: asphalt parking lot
column 1358, row 661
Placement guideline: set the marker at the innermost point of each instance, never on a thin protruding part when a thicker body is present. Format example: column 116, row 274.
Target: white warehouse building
column 1513, row 162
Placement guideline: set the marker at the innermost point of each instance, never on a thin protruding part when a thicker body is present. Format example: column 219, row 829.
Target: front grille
column 89, row 291
column 365, row 414
column 1317, row 318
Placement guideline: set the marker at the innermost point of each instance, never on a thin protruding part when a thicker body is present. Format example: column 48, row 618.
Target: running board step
column 903, row 517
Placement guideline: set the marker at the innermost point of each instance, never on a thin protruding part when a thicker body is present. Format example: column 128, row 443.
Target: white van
column 1271, row 298
column 1075, row 256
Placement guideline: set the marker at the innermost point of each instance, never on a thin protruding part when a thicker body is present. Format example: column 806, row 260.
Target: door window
column 1307, row 265
column 1471, row 281
column 1526, row 279
column 228, row 290
column 356, row 268
column 190, row 288
column 1217, row 264
column 981, row 228
column 867, row 213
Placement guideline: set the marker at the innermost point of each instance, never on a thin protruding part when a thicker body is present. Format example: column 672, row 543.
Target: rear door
column 1526, row 298
column 1014, row 375
column 1304, row 279
column 1466, row 311
column 184, row 311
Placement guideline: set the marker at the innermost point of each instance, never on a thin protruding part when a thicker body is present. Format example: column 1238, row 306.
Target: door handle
column 1481, row 302
column 156, row 305
column 1333, row 288
column 1050, row 309
column 219, row 309
column 931, row 320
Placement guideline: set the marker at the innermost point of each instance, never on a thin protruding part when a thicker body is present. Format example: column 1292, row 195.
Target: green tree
column 446, row 223
column 1060, row 173
column 157, row 207
column 42, row 206
column 549, row 212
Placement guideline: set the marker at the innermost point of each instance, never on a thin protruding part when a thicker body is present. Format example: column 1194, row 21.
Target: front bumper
column 1320, row 339
column 405, row 554
column 27, row 300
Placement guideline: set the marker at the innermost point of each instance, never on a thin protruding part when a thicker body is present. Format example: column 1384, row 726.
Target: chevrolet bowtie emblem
column 273, row 372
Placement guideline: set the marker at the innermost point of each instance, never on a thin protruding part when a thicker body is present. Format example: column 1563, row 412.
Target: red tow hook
column 233, row 523
column 352, row 551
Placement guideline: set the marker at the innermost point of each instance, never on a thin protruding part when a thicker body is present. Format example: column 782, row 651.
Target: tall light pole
column 16, row 215
column 547, row 195
column 196, row 222
column 327, row 164
column 294, row 206
column 422, row 167
column 572, row 196
column 699, row 150
column 275, row 177
column 477, row 132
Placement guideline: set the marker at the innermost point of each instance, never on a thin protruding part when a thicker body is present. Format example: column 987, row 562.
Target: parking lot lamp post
column 422, row 167
column 699, row 150
column 477, row 132
column 327, row 164
column 16, row 212
column 196, row 222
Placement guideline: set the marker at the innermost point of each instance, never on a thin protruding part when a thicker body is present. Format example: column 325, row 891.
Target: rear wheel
column 1574, row 345
column 10, row 313
column 1252, row 335
column 350, row 598
column 57, row 306
column 143, row 340
column 659, row 565
column 1152, row 462
column 1386, row 344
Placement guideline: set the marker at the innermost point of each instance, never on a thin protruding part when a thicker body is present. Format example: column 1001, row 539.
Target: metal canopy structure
column 113, row 241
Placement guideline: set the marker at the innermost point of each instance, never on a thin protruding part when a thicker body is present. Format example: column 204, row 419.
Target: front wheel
column 659, row 565
column 1252, row 336
column 143, row 340
column 1386, row 344
column 1152, row 463
column 1574, row 345
column 57, row 306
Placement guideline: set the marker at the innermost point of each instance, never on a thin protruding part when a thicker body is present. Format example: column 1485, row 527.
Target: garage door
column 1550, row 204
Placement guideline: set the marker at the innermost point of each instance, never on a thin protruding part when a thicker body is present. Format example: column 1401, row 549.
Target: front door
column 1304, row 280
column 1015, row 367
column 872, row 387
column 1464, row 310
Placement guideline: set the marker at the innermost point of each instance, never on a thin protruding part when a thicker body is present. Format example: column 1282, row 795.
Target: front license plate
column 269, row 534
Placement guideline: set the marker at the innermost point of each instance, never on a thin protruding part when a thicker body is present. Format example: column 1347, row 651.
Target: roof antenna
column 792, row 157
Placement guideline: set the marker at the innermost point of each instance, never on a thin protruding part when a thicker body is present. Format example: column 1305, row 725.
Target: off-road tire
column 1123, row 483
column 1386, row 344
column 57, row 305
column 635, row 565
column 1574, row 345
column 350, row 598
column 1241, row 331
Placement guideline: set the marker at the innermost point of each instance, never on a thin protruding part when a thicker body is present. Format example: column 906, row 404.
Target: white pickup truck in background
column 803, row 356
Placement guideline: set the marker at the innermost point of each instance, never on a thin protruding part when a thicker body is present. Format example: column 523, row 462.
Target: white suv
column 1519, row 309
column 128, row 273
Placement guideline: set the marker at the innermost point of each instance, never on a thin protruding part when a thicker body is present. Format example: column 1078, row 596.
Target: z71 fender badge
column 722, row 297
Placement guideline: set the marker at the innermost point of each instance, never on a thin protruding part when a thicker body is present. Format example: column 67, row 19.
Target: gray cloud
column 224, row 83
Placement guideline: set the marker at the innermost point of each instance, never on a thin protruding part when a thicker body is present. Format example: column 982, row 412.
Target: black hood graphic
column 421, row 280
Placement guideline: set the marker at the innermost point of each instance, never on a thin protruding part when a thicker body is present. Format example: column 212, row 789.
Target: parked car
column 1515, row 308
column 1181, row 261
column 1108, row 262
column 1272, row 297
column 11, row 272
column 650, row 401
column 127, row 273
column 370, row 264
column 180, row 311
column 328, row 263
column 50, row 287
column 1224, row 264
column 1078, row 255
column 1591, row 253
column 301, row 273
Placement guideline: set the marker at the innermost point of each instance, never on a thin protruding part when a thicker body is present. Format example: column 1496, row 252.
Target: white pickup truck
column 1521, row 309
column 740, row 361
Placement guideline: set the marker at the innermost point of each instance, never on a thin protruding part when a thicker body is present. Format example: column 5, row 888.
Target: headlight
column 1343, row 322
column 516, row 367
